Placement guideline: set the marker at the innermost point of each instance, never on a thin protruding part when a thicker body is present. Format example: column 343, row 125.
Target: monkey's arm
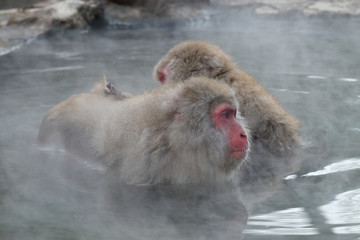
column 268, row 120
column 104, row 87
column 111, row 90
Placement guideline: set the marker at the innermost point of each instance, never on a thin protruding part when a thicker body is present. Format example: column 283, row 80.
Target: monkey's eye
column 223, row 113
column 227, row 114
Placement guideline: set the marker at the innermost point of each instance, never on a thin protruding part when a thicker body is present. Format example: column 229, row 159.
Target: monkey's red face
column 224, row 117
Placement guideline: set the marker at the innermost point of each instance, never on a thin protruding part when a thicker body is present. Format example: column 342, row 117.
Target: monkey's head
column 207, row 132
column 192, row 59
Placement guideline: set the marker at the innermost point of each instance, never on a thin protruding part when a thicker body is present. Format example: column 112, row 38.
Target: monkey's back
column 93, row 126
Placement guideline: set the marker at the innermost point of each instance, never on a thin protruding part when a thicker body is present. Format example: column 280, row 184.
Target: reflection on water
column 344, row 165
column 342, row 214
column 344, row 210
column 310, row 66
column 65, row 68
column 348, row 79
column 286, row 90
column 293, row 221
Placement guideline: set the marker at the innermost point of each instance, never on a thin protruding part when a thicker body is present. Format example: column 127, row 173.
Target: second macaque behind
column 269, row 123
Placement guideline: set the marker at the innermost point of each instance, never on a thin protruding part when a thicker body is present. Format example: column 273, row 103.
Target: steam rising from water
column 310, row 65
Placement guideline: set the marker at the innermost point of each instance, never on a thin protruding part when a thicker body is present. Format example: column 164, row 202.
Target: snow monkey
column 268, row 122
column 186, row 132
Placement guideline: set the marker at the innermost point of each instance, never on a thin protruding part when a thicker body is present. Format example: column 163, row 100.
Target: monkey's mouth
column 238, row 153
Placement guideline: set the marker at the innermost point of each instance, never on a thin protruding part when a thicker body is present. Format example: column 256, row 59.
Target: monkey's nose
column 243, row 136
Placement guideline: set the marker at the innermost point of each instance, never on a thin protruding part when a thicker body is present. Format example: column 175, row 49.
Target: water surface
column 310, row 64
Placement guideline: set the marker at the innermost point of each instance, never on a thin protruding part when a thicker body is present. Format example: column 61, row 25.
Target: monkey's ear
column 162, row 75
column 213, row 63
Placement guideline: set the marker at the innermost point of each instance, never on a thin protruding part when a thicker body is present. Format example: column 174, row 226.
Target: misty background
column 311, row 64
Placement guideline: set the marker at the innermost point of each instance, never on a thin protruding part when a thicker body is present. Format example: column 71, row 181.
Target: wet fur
column 164, row 136
column 269, row 123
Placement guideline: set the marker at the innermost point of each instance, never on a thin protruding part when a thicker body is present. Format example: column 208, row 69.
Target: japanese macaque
column 268, row 122
column 178, row 133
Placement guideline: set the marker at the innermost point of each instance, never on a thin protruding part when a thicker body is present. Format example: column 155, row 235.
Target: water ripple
column 348, row 79
column 291, row 91
column 54, row 69
column 316, row 77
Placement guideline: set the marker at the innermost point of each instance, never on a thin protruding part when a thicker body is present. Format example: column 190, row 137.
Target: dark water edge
column 8, row 4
